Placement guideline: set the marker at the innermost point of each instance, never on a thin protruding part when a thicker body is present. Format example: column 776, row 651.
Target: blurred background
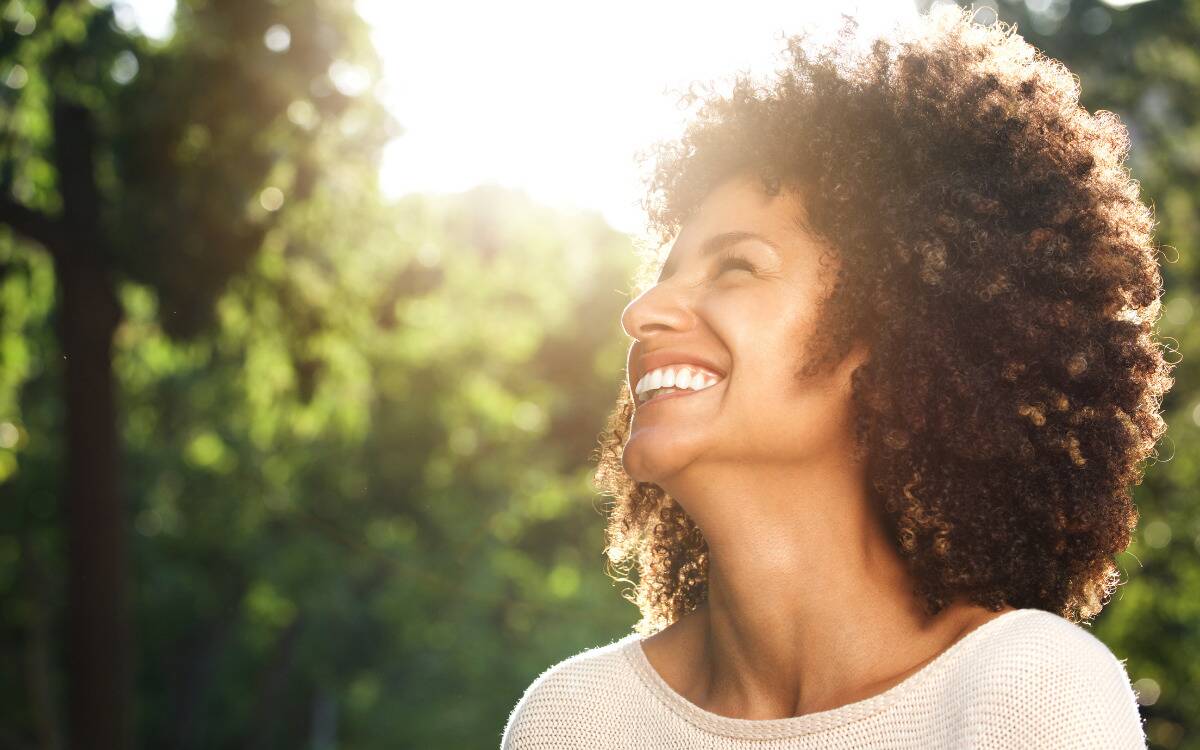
column 309, row 326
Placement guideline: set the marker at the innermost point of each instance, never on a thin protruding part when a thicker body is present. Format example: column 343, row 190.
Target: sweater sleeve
column 1064, row 689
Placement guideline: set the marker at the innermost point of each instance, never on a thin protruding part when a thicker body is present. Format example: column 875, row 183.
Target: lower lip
column 675, row 394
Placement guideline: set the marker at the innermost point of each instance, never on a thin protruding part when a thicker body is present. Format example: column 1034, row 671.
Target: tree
column 165, row 165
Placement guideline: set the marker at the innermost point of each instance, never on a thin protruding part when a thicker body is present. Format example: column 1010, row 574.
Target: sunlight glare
column 153, row 18
column 556, row 98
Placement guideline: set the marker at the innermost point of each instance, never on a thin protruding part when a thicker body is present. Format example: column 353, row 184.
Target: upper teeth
column 674, row 376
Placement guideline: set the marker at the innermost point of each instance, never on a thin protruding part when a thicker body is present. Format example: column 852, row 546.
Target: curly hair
column 998, row 259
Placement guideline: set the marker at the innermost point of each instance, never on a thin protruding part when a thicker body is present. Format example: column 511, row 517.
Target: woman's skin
column 809, row 605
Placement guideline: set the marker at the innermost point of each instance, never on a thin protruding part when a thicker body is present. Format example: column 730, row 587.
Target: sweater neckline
column 818, row 721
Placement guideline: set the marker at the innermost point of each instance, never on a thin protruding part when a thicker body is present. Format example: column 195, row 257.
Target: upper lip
column 661, row 358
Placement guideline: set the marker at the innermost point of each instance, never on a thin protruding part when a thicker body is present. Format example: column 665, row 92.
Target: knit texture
column 1025, row 679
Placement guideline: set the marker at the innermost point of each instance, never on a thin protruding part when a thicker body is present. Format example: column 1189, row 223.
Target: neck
column 809, row 605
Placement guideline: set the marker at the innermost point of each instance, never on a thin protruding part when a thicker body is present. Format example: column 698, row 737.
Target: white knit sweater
column 1025, row 679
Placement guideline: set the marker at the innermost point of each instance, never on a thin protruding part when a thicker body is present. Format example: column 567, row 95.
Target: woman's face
column 740, row 290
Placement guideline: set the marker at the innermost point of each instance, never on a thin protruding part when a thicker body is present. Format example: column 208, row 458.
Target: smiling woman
column 918, row 287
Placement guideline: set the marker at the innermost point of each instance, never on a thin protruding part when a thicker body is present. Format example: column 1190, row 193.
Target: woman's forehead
column 741, row 208
column 744, row 202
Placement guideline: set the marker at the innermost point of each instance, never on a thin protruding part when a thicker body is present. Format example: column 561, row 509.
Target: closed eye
column 734, row 261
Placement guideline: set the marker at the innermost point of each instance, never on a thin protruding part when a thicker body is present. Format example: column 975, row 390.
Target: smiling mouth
column 665, row 394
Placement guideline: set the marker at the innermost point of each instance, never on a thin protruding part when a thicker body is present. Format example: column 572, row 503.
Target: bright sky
column 554, row 97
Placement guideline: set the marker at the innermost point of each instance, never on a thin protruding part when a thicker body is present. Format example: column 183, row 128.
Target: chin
column 647, row 467
column 634, row 468
column 639, row 466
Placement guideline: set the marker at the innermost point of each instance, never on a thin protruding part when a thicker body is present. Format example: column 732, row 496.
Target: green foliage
column 377, row 541
column 371, row 479
column 217, row 133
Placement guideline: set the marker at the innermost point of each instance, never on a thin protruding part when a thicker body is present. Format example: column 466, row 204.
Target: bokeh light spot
column 271, row 198
column 26, row 24
column 124, row 68
column 302, row 113
column 1157, row 534
column 17, row 77
column 1147, row 691
column 278, row 38
column 528, row 416
column 349, row 79
column 9, row 435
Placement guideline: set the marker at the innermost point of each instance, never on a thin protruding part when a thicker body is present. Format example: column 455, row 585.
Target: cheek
column 767, row 339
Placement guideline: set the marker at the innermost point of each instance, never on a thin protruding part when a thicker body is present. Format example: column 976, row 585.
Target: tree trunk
column 97, row 625
column 39, row 662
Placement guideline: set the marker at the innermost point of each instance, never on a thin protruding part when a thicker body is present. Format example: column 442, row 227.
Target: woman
column 886, row 400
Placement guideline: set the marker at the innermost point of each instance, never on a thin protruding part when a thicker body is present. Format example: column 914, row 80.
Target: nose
column 660, row 308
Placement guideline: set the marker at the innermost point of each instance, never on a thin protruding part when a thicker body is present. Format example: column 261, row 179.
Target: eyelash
column 734, row 261
column 728, row 261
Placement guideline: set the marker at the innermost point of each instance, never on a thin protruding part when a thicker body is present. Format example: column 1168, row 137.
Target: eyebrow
column 716, row 244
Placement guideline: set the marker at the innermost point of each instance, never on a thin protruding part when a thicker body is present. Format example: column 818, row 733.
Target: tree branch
column 33, row 225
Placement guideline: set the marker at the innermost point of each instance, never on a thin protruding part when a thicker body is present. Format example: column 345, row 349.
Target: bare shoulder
column 1048, row 681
